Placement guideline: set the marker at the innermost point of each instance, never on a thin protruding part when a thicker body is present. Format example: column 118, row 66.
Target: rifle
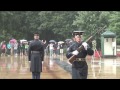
column 72, row 58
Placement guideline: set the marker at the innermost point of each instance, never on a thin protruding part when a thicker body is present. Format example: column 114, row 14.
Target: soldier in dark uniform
column 36, row 56
column 79, row 66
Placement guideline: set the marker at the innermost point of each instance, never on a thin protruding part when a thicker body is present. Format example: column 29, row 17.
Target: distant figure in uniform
column 79, row 66
column 36, row 56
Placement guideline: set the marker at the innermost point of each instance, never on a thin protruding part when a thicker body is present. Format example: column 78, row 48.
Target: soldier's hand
column 29, row 61
column 85, row 45
column 75, row 52
column 69, row 62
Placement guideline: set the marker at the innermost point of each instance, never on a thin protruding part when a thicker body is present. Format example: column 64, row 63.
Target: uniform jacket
column 82, row 54
column 36, row 58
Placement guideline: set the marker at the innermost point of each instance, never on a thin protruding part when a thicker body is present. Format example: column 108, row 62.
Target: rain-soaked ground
column 57, row 67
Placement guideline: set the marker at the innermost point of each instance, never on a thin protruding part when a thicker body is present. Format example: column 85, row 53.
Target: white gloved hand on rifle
column 85, row 45
column 75, row 52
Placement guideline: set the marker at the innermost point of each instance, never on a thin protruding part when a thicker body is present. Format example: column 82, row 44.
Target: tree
column 115, row 24
column 57, row 23
column 90, row 21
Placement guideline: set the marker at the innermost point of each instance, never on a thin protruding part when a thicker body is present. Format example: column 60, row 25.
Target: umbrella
column 60, row 42
column 23, row 40
column 12, row 40
column 68, row 39
column 52, row 41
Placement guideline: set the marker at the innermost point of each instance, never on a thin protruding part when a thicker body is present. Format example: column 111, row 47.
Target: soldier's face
column 77, row 38
column 36, row 36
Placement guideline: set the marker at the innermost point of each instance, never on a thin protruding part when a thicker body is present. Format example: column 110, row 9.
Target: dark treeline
column 57, row 25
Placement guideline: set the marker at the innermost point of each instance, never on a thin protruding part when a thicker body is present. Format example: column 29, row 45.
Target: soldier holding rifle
column 79, row 66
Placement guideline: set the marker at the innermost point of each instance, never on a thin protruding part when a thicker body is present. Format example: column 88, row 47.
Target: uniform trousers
column 35, row 75
column 80, row 72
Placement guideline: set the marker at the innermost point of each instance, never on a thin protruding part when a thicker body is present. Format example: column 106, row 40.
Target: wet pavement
column 17, row 67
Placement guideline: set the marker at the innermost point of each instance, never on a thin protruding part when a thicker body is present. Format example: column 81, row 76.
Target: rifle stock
column 72, row 58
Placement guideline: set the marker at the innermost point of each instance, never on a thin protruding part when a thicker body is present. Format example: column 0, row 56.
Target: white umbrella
column 52, row 41
column 23, row 40
column 60, row 42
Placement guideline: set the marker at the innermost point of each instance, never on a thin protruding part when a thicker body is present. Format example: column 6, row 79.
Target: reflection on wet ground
column 12, row 67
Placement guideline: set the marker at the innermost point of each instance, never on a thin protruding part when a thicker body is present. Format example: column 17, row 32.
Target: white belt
column 35, row 52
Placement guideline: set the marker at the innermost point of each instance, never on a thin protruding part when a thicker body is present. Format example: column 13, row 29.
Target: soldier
column 79, row 66
column 36, row 56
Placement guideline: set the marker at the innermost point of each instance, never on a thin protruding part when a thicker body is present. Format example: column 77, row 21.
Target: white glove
column 75, row 52
column 29, row 63
column 85, row 45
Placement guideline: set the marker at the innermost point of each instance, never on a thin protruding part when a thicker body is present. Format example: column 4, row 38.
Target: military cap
column 36, row 33
column 77, row 33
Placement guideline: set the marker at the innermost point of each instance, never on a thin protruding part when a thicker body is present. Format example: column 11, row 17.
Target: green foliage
column 57, row 25
column 50, row 24
column 115, row 24
column 90, row 21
